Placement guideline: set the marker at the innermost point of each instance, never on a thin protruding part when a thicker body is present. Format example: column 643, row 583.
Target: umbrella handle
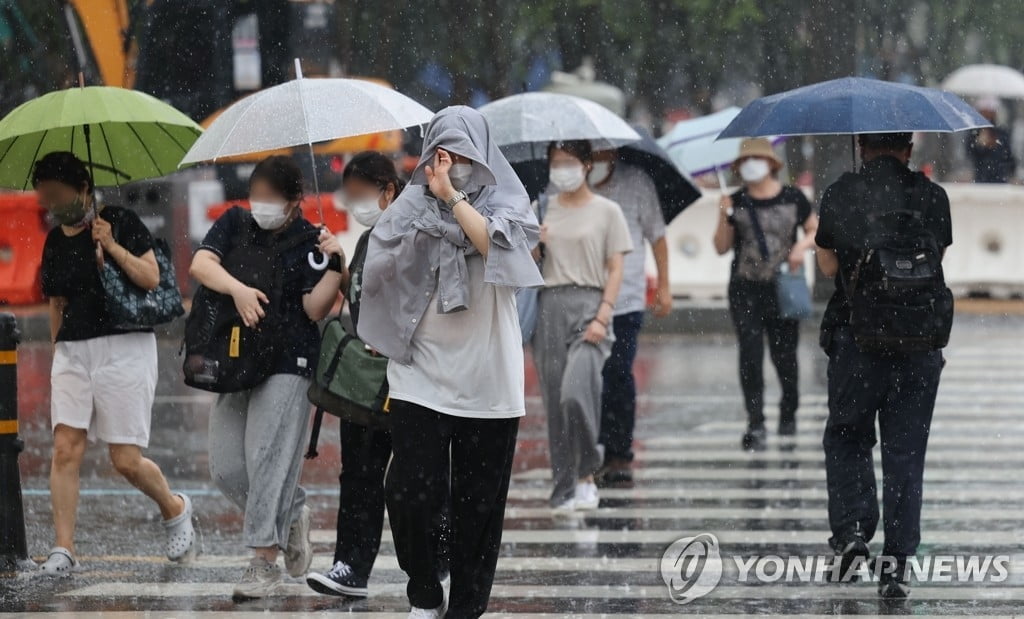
column 318, row 264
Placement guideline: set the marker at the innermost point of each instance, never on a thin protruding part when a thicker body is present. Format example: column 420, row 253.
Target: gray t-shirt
column 468, row 363
column 636, row 195
column 581, row 239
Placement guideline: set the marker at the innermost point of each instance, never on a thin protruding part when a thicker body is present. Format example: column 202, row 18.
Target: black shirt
column 842, row 229
column 301, row 349
column 69, row 270
column 355, row 277
column 779, row 217
column 992, row 164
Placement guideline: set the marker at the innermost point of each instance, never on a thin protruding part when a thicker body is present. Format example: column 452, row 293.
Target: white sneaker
column 565, row 507
column 60, row 562
column 299, row 554
column 181, row 537
column 261, row 579
column 427, row 613
column 586, row 496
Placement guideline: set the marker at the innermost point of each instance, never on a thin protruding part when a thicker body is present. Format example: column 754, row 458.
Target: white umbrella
column 986, row 80
column 306, row 111
column 692, row 144
column 521, row 123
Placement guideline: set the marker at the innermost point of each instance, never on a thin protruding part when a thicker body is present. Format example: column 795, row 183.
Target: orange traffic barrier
column 23, row 230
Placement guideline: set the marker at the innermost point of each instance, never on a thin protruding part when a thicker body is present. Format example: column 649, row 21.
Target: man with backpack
column 882, row 235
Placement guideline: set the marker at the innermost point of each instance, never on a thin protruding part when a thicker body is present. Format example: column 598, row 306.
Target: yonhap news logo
column 693, row 566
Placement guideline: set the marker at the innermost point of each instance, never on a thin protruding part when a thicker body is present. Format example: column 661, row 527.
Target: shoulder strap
column 542, row 207
column 755, row 221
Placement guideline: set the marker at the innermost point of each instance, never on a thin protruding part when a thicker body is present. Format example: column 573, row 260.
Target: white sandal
column 60, row 562
column 181, row 536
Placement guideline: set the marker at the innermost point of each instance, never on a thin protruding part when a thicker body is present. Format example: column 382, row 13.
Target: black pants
column 479, row 453
column 901, row 391
column 364, row 459
column 618, row 395
column 755, row 314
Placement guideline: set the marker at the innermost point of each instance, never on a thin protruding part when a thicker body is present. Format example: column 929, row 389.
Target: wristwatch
column 458, row 197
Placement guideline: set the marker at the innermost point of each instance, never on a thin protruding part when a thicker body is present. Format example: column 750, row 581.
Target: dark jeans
column 755, row 314
column 901, row 391
column 364, row 459
column 618, row 394
column 478, row 453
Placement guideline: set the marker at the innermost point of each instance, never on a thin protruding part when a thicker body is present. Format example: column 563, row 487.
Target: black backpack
column 899, row 302
column 223, row 355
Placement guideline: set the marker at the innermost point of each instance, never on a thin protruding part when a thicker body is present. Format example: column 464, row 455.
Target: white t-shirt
column 468, row 363
column 581, row 239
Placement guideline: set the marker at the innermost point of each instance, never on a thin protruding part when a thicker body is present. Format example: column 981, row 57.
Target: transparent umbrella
column 986, row 80
column 306, row 111
column 522, row 124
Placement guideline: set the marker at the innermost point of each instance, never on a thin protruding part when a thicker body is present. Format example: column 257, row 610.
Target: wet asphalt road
column 691, row 478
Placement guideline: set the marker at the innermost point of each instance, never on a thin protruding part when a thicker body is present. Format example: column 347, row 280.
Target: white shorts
column 105, row 386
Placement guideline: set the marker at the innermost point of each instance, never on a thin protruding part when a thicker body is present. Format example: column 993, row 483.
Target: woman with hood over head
column 443, row 264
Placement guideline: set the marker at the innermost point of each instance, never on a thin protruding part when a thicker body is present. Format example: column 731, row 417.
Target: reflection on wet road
column 691, row 478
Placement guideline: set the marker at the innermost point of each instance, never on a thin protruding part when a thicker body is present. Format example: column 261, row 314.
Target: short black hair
column 580, row 149
column 63, row 167
column 886, row 141
column 375, row 168
column 282, row 173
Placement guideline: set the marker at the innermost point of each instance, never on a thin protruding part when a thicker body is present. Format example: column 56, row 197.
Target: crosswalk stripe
column 962, row 474
column 542, row 590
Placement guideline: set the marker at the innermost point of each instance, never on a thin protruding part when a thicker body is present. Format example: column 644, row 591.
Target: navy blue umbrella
column 854, row 105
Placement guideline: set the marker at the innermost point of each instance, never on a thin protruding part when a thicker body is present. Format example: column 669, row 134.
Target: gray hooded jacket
column 418, row 247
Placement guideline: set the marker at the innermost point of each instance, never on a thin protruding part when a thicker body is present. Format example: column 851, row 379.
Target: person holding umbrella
column 633, row 190
column 442, row 267
column 104, row 376
column 760, row 224
column 897, row 382
column 256, row 435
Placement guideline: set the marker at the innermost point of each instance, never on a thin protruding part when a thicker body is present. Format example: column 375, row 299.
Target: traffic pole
column 13, row 545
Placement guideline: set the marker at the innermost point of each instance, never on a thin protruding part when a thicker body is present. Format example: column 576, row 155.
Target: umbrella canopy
column 306, row 111
column 676, row 190
column 127, row 135
column 986, row 80
column 692, row 144
column 522, row 124
column 854, row 105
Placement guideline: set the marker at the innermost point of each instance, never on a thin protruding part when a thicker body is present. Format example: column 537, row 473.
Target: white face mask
column 754, row 169
column 366, row 212
column 600, row 172
column 567, row 178
column 459, row 174
column 268, row 215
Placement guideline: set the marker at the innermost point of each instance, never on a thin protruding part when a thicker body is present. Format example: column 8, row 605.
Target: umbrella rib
column 156, row 166
column 110, row 153
column 9, row 147
column 173, row 139
column 35, row 155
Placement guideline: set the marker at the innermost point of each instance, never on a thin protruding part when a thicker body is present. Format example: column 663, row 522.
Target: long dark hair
column 282, row 174
column 375, row 168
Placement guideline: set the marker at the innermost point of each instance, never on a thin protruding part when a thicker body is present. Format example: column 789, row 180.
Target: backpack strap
column 314, row 434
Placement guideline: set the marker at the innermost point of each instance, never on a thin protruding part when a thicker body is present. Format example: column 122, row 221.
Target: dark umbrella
column 675, row 189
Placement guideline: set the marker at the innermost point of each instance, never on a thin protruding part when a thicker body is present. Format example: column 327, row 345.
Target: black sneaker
column 849, row 548
column 340, row 580
column 755, row 439
column 892, row 585
column 616, row 473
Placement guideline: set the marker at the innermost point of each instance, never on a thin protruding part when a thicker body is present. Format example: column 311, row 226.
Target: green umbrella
column 125, row 135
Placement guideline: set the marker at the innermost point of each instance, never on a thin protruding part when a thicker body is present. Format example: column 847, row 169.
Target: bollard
column 13, row 546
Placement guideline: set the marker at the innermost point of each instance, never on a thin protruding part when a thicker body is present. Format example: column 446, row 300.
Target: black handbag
column 131, row 307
